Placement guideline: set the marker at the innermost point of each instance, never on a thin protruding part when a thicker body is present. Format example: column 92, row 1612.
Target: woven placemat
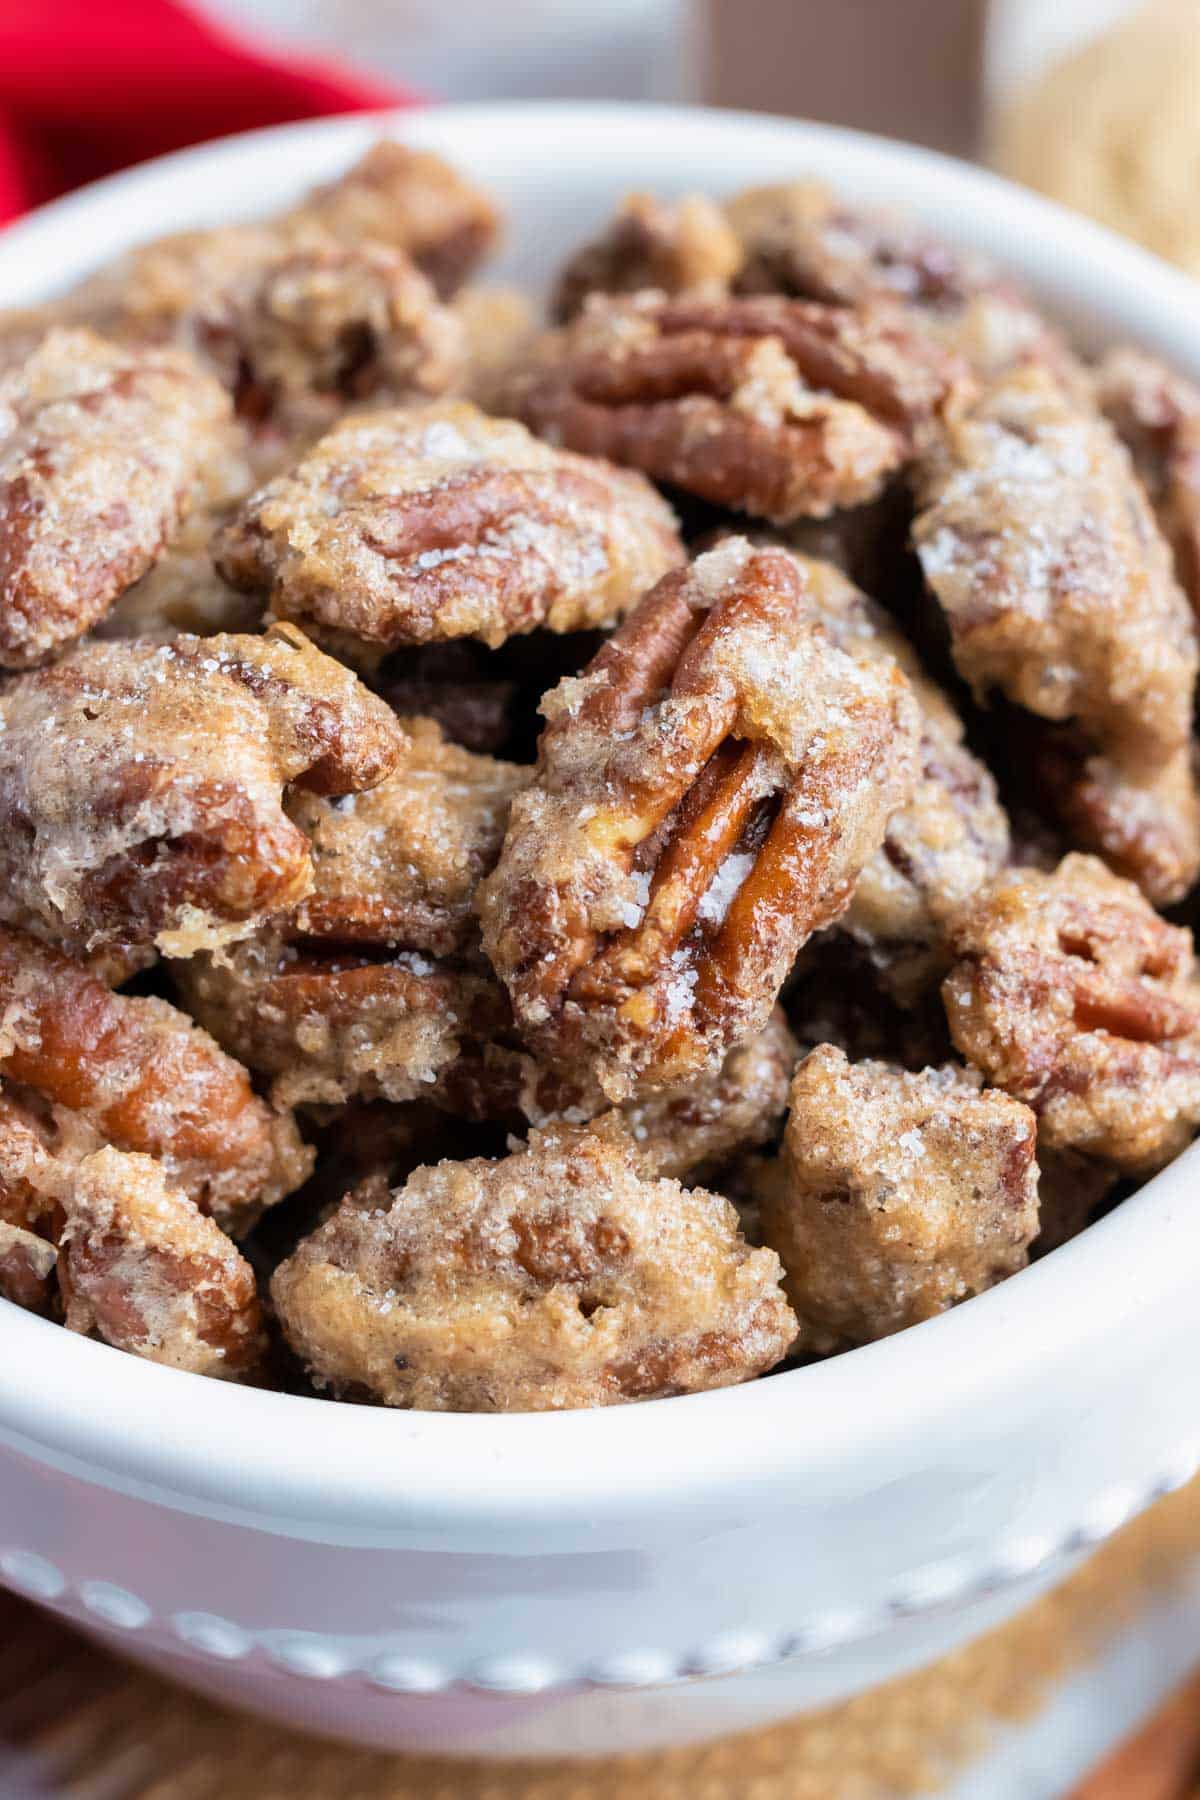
column 77, row 1722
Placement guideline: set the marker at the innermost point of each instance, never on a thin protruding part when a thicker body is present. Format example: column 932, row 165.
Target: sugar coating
column 101, row 450
column 761, row 761
column 148, row 778
column 434, row 522
column 1070, row 992
column 952, row 835
column 782, row 409
column 898, row 1195
column 559, row 1276
column 685, row 247
column 138, row 1072
column 1058, row 590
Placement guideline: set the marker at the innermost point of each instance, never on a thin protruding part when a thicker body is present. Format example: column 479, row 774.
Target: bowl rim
column 84, row 1407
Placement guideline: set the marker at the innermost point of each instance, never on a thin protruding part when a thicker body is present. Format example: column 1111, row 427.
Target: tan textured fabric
column 75, row 1722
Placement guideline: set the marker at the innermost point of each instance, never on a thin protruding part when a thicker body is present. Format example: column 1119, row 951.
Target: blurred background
column 1097, row 102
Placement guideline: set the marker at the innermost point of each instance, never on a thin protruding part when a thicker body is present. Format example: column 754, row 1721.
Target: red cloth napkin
column 88, row 86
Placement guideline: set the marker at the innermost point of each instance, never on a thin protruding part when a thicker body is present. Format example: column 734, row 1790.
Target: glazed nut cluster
column 544, row 867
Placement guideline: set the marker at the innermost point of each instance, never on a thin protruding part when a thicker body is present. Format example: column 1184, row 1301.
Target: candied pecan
column 294, row 324
column 949, row 839
column 183, row 591
column 681, row 248
column 140, row 783
column 1038, row 542
column 373, row 986
column 801, row 240
column 145, row 1078
column 900, row 1194
column 1072, row 994
column 779, row 408
column 413, row 201
column 708, row 792
column 559, row 1276
column 100, row 452
column 29, row 1220
column 1142, row 813
column 1156, row 413
column 399, row 865
column 691, row 1133
column 142, row 1268
column 438, row 522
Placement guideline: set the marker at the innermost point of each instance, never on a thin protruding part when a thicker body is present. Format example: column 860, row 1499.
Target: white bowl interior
column 558, row 171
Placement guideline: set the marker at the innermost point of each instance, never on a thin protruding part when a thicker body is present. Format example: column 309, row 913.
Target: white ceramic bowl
column 562, row 1584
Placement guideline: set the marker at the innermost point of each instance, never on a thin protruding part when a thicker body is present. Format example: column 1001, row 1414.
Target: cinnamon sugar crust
column 437, row 522
column 142, row 1076
column 141, row 784
column 559, row 1276
column 899, row 1194
column 1071, row 993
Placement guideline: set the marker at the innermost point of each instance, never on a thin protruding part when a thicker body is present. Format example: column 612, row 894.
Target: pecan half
column 548, row 1279
column 1072, row 994
column 100, row 452
column 779, row 408
column 1037, row 541
column 681, row 248
column 708, row 792
column 899, row 1195
column 438, row 522
column 141, row 784
column 142, row 1268
column 142, row 1076
column 413, row 201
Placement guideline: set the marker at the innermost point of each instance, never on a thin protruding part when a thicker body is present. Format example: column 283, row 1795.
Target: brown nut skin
column 1057, row 587
column 100, row 453
column 142, row 1268
column 141, row 784
column 685, row 247
column 1072, row 994
column 898, row 1195
column 147, row 1079
column 412, row 201
column 707, row 794
column 782, row 409
column 410, row 526
column 560, row 1276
